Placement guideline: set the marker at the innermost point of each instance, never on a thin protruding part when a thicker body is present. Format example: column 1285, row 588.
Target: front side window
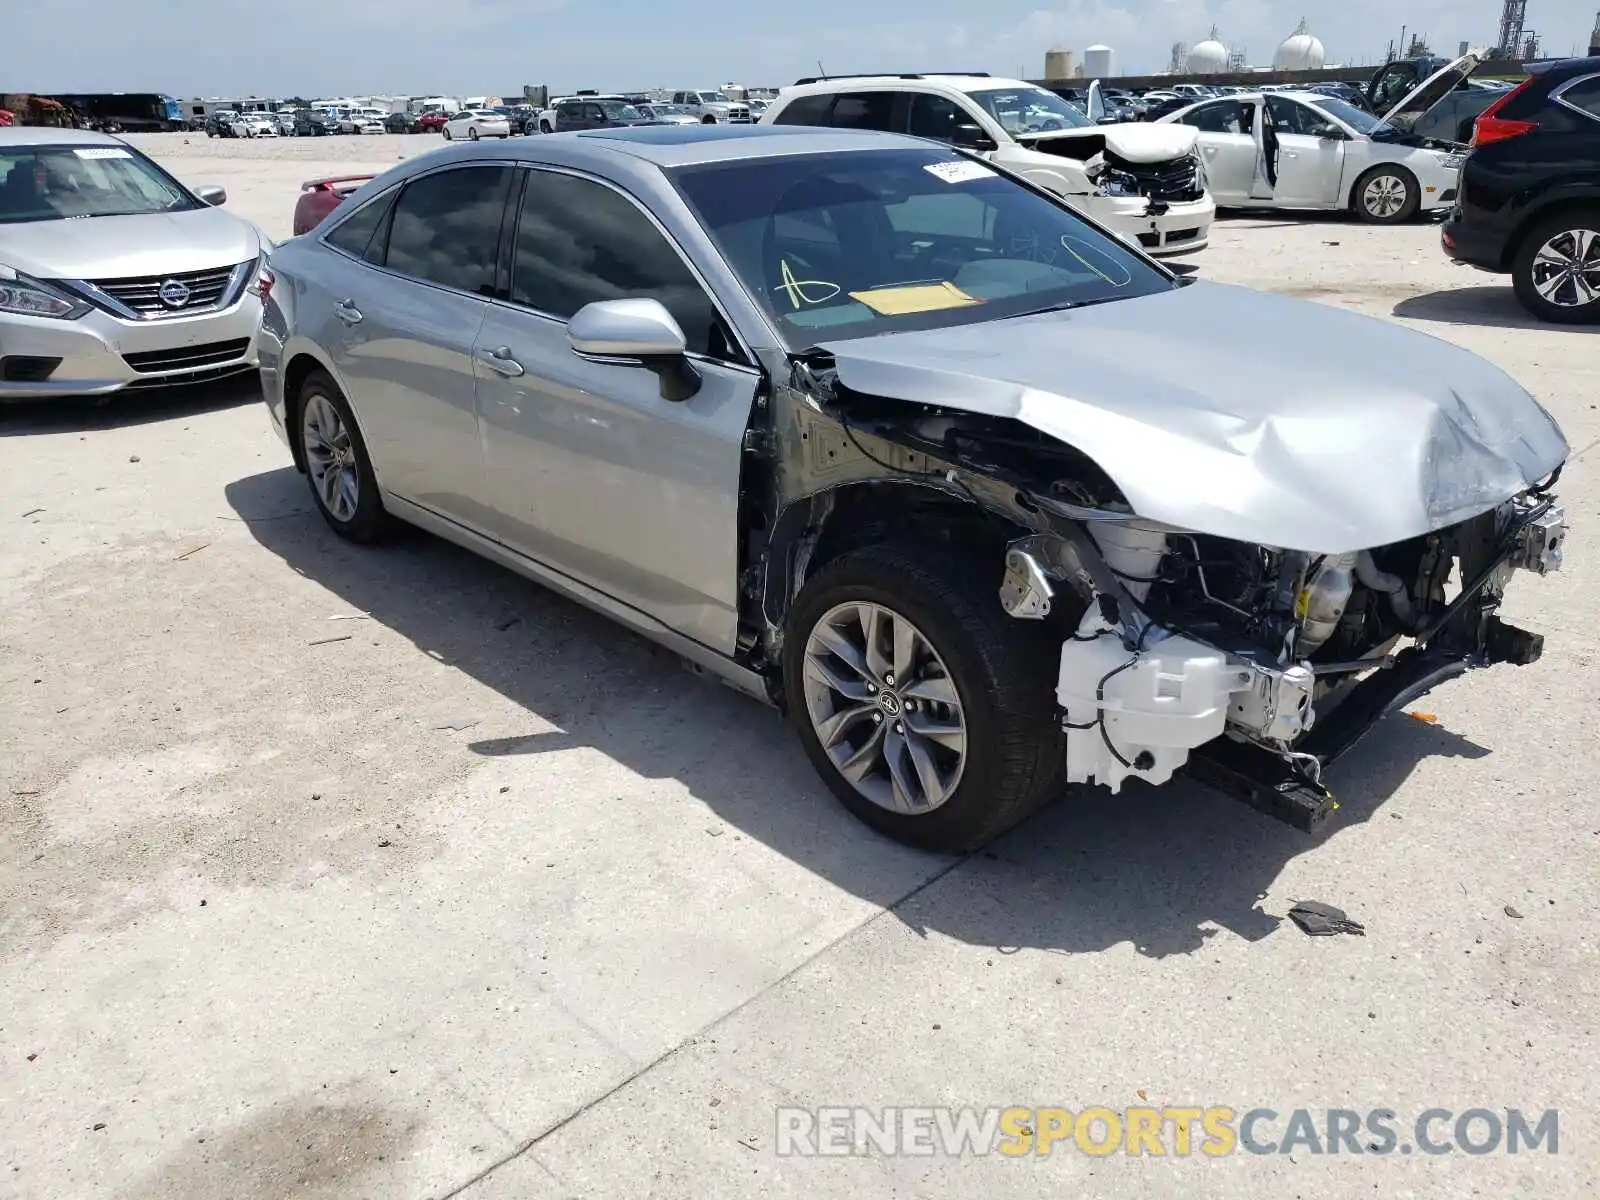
column 1023, row 111
column 875, row 241
column 579, row 241
column 936, row 117
column 54, row 183
column 446, row 228
column 616, row 110
column 1222, row 116
column 1291, row 117
column 863, row 110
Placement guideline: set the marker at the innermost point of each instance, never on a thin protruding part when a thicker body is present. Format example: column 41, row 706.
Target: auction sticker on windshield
column 100, row 152
column 958, row 172
column 914, row 298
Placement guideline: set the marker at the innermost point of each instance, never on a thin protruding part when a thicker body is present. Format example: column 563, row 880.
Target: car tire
column 338, row 466
column 1386, row 195
column 1575, row 238
column 472, row 132
column 1000, row 670
column 445, row 130
column 708, row 119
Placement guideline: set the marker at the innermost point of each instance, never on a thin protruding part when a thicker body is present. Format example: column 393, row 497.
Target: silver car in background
column 984, row 497
column 115, row 275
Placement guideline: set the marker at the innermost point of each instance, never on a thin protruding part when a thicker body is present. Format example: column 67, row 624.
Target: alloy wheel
column 1384, row 195
column 331, row 458
column 1566, row 269
column 884, row 707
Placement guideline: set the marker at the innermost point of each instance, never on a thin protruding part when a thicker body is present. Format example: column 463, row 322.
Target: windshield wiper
column 1063, row 306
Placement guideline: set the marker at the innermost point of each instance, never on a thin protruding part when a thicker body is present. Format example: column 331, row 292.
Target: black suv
column 1529, row 201
column 223, row 123
column 583, row 113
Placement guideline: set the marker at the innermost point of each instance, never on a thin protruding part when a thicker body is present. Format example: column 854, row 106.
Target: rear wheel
column 1387, row 195
column 1556, row 273
column 447, row 133
column 708, row 119
column 337, row 464
column 472, row 132
column 928, row 712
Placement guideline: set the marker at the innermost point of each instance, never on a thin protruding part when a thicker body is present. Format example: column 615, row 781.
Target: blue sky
column 460, row 47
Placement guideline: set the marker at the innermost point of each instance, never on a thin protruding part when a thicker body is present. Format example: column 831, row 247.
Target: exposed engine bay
column 1253, row 666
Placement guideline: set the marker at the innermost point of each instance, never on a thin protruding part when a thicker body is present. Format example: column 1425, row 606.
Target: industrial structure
column 1512, row 19
column 1301, row 51
column 1098, row 62
column 1209, row 57
column 1594, row 38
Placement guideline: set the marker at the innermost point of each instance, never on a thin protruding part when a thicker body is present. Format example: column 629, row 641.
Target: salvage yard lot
column 329, row 871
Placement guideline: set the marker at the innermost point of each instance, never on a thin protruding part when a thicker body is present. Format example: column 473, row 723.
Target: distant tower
column 1512, row 18
column 1180, row 56
column 1097, row 62
column 1236, row 59
column 1594, row 38
column 1058, row 63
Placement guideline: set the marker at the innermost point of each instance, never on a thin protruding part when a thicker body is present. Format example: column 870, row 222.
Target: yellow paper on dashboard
column 916, row 298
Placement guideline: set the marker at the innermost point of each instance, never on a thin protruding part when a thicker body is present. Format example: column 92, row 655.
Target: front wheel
column 708, row 119
column 1387, row 195
column 337, row 464
column 928, row 712
column 1556, row 273
column 472, row 132
column 447, row 136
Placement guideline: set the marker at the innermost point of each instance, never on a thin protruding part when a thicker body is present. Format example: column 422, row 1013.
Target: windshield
column 615, row 110
column 1022, row 111
column 1358, row 119
column 53, row 183
column 710, row 97
column 867, row 242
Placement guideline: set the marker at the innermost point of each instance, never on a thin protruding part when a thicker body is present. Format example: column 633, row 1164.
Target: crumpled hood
column 1136, row 142
column 1241, row 414
column 115, row 247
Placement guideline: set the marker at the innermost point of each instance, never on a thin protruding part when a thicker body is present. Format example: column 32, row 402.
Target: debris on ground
column 502, row 626
column 351, row 617
column 1323, row 920
column 326, row 641
column 133, row 458
column 1512, row 912
column 194, row 550
column 33, row 512
column 459, row 724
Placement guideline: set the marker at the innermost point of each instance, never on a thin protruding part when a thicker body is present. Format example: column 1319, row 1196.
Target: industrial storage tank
column 1210, row 57
column 1301, row 51
column 1097, row 62
column 1058, row 63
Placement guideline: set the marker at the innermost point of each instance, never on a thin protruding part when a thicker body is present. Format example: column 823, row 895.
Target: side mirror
column 211, row 194
column 642, row 332
column 1330, row 133
column 971, row 137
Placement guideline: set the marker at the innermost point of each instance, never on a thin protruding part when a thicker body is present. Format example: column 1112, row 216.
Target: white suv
column 1135, row 179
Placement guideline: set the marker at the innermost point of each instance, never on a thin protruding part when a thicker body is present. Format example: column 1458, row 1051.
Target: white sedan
column 1305, row 150
column 475, row 123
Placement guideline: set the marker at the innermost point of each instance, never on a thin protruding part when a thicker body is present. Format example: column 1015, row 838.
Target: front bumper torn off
column 1141, row 701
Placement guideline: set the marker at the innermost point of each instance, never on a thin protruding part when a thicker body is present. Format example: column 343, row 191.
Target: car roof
column 955, row 83
column 1576, row 65
column 681, row 145
column 49, row 135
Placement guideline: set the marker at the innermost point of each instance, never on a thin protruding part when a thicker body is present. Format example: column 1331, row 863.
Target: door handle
column 347, row 312
column 501, row 360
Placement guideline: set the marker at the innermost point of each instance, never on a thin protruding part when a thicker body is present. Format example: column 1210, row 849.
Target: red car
column 319, row 197
column 432, row 122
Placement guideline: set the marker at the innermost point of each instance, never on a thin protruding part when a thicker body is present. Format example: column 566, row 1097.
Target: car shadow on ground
column 79, row 414
column 1494, row 306
column 1160, row 868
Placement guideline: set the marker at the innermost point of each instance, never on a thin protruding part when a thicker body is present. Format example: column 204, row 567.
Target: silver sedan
column 115, row 275
column 985, row 498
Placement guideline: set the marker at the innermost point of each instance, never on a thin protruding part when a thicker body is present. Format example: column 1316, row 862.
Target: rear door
column 1227, row 142
column 883, row 111
column 590, row 470
column 410, row 312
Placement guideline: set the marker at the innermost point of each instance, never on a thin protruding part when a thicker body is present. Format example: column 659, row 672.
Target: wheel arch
column 1532, row 219
column 300, row 362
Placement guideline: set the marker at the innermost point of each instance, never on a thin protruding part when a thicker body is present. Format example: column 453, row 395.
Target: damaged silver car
column 872, row 429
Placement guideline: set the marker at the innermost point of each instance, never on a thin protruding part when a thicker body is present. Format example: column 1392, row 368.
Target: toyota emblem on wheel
column 173, row 294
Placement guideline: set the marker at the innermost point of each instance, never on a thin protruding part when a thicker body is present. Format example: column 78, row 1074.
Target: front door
column 1310, row 167
column 410, row 323
column 591, row 471
column 1228, row 147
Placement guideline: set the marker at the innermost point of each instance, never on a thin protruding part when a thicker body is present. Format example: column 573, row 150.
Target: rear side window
column 579, row 241
column 936, row 117
column 446, row 228
column 354, row 234
column 807, row 110
column 1584, row 95
column 864, row 110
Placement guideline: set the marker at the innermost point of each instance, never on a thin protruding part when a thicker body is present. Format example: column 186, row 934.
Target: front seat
column 850, row 245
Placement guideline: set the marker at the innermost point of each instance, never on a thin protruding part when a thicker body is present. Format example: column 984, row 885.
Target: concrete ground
column 474, row 894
